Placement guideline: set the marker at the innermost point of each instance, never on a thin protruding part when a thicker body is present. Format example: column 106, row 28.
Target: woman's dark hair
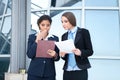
column 71, row 18
column 44, row 17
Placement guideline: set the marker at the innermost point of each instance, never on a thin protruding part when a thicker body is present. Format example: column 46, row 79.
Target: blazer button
column 44, row 62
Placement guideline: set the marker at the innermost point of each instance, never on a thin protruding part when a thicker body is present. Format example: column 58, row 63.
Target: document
column 66, row 46
column 43, row 46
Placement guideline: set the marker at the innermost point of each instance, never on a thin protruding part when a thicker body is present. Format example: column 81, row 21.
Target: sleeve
column 31, row 48
column 56, row 50
column 88, row 50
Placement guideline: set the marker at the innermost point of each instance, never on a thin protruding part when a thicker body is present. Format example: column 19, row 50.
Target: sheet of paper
column 66, row 46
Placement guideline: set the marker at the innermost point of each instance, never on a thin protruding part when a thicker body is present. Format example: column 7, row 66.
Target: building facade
column 101, row 17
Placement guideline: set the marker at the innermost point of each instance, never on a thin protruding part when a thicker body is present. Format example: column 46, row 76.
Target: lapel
column 51, row 38
column 78, row 35
column 65, row 36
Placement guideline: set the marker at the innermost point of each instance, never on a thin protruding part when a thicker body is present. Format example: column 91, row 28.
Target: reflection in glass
column 4, row 44
column 8, row 11
column 2, row 7
column 65, row 3
column 39, row 4
column 2, row 41
column 104, row 28
column 5, row 37
column 9, row 7
column 106, row 3
column 6, row 25
column 0, row 22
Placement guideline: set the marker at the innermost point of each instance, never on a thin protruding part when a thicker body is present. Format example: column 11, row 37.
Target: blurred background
column 18, row 19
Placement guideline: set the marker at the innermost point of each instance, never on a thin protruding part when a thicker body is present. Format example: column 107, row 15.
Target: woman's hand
column 51, row 53
column 62, row 54
column 76, row 52
column 38, row 37
column 41, row 35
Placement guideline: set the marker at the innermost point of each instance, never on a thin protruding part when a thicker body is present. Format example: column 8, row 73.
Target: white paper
column 66, row 46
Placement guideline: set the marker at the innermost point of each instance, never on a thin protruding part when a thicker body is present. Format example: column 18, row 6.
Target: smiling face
column 66, row 24
column 44, row 25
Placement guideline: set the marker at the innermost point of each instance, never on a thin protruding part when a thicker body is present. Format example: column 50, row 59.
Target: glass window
column 104, row 29
column 39, row 4
column 106, row 3
column 2, row 41
column 8, row 10
column 0, row 22
column 5, row 29
column 66, row 3
column 2, row 7
column 9, row 7
column 6, row 25
column 4, row 66
column 5, row 48
column 104, row 69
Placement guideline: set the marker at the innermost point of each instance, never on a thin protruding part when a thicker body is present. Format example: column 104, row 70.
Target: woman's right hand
column 62, row 54
column 41, row 35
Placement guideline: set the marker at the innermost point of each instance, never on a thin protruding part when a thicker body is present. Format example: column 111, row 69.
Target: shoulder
column 53, row 37
column 83, row 30
column 56, row 37
column 65, row 34
column 32, row 36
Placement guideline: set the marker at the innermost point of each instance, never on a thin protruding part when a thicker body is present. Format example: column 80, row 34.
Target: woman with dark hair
column 76, row 63
column 42, row 68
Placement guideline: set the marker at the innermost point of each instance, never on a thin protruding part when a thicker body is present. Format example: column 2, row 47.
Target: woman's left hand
column 76, row 51
column 51, row 53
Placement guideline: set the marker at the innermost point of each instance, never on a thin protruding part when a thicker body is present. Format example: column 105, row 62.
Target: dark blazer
column 82, row 42
column 41, row 66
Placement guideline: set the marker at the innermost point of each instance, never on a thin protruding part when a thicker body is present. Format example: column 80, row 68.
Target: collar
column 73, row 30
column 48, row 36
